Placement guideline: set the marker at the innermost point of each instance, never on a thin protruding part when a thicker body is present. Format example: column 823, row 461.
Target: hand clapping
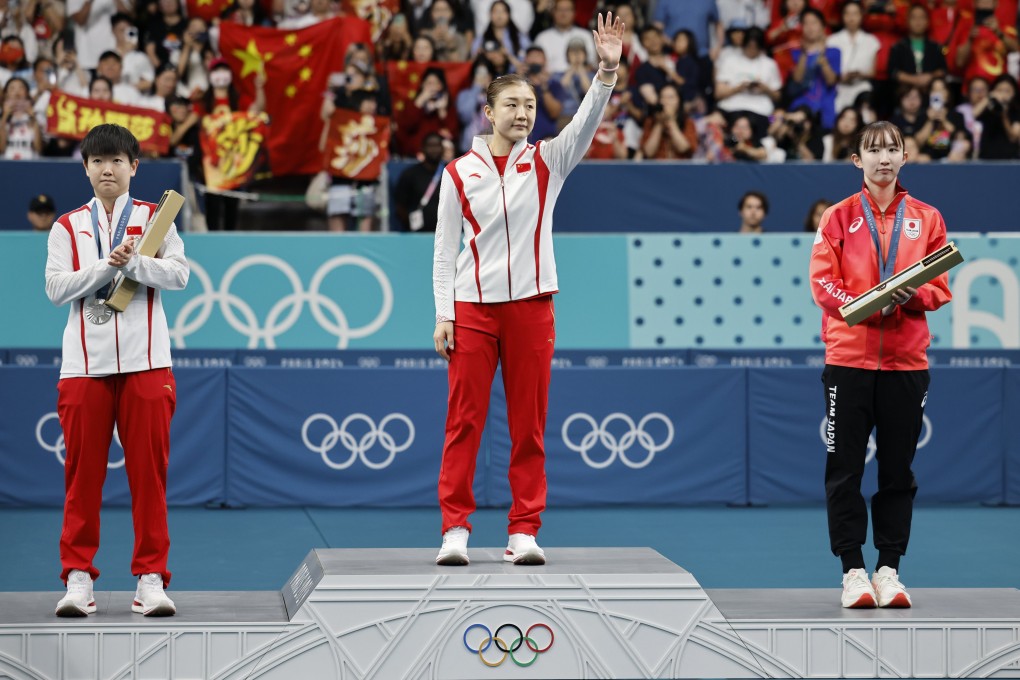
column 122, row 254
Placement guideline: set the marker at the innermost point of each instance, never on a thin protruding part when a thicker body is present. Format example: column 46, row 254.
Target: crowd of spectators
column 709, row 80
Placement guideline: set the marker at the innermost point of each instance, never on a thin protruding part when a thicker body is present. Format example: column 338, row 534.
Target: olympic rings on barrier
column 523, row 638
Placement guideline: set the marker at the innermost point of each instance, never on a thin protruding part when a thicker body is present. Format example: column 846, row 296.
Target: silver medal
column 96, row 311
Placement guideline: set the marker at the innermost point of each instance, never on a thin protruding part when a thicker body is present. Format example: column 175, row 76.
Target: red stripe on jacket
column 465, row 207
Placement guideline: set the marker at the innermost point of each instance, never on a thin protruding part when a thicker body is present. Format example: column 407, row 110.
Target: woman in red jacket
column 876, row 372
column 493, row 277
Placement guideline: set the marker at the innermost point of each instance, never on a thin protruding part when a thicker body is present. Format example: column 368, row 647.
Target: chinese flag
column 233, row 149
column 357, row 145
column 405, row 82
column 297, row 65
column 208, row 9
column 379, row 13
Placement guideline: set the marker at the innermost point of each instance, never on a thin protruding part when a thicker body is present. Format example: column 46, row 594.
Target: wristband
column 609, row 70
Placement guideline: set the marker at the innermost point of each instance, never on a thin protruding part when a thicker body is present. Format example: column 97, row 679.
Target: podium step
column 589, row 613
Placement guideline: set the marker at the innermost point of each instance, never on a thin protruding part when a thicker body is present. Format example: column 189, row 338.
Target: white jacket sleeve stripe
column 468, row 214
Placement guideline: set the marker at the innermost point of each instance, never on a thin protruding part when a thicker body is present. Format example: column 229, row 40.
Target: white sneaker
column 454, row 550
column 79, row 600
column 857, row 590
column 150, row 599
column 891, row 593
column 522, row 549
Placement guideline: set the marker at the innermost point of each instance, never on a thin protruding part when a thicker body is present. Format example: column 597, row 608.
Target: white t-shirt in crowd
column 737, row 68
column 856, row 53
column 554, row 43
column 96, row 36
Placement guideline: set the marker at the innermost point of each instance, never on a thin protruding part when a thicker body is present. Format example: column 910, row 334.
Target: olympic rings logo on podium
column 618, row 448
column 358, row 447
column 523, row 638
column 285, row 311
column 57, row 448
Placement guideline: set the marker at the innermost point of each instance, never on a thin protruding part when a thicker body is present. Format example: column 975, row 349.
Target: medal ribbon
column 118, row 236
column 885, row 269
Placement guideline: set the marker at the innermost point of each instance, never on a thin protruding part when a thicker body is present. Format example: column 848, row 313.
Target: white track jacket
column 505, row 223
column 136, row 339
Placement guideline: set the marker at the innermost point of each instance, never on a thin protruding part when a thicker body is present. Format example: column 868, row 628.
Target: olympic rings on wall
column 508, row 650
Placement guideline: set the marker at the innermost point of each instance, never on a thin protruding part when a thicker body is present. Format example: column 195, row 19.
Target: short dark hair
column 755, row 194
column 109, row 139
column 110, row 54
column 813, row 12
column 120, row 17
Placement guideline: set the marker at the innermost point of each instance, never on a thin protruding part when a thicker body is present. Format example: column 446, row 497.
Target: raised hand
column 609, row 40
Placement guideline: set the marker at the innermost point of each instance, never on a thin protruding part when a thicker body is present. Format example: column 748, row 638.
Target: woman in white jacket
column 494, row 295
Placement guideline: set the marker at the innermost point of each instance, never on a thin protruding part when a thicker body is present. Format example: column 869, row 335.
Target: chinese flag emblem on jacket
column 297, row 65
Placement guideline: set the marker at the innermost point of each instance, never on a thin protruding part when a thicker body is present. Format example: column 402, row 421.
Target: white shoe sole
column 526, row 558
column 865, row 601
column 453, row 559
column 161, row 609
column 70, row 609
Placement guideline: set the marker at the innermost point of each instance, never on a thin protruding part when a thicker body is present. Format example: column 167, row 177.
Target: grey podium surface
column 589, row 613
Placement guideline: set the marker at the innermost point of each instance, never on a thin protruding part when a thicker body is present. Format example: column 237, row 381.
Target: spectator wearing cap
column 136, row 69
column 93, row 32
column 111, row 67
column 495, row 55
column 554, row 41
column 858, row 51
column 41, row 212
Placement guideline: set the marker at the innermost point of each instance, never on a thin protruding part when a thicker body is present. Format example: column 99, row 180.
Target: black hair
column 755, row 194
column 109, row 83
column 121, row 17
column 755, row 34
column 110, row 54
column 511, row 27
column 813, row 12
column 109, row 139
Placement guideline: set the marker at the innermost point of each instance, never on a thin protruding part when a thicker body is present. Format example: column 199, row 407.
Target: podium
column 589, row 613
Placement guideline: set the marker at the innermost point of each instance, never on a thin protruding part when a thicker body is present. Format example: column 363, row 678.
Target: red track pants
column 141, row 404
column 521, row 336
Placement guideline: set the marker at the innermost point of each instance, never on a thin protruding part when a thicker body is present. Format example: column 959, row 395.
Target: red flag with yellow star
column 208, row 9
column 357, row 146
column 414, row 122
column 379, row 13
column 297, row 65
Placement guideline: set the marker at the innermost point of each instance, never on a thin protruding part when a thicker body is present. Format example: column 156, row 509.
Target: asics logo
column 600, row 433
column 286, row 310
column 358, row 446
column 856, row 224
column 922, row 441
column 44, row 435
